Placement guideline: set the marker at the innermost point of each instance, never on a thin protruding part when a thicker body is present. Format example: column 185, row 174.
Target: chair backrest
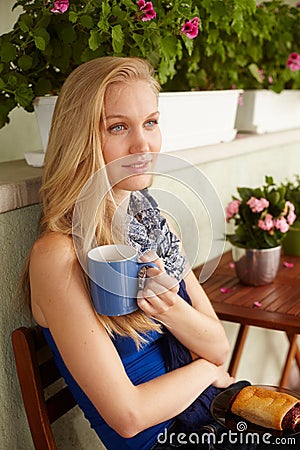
column 37, row 371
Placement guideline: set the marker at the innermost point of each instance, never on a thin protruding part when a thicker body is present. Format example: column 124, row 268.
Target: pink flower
column 226, row 290
column 288, row 265
column 191, row 28
column 60, row 6
column 257, row 205
column 270, row 79
column 240, row 100
column 281, row 224
column 293, row 61
column 266, row 224
column 261, row 74
column 232, row 208
column 257, row 304
column 298, row 4
column 147, row 10
column 291, row 215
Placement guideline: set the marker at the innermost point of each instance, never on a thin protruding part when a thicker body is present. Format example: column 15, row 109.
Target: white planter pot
column 43, row 107
column 193, row 119
column 187, row 119
column 265, row 111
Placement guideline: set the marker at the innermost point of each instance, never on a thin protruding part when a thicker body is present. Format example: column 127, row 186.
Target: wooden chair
column 36, row 372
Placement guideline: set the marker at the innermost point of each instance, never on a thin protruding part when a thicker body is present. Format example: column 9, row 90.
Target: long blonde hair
column 74, row 155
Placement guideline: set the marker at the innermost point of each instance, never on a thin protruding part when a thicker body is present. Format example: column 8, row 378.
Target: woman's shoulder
column 53, row 247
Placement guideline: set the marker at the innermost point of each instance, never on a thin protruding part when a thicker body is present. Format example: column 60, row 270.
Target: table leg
column 297, row 356
column 292, row 354
column 238, row 349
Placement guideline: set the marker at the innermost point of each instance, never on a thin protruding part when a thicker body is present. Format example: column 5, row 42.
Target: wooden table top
column 280, row 300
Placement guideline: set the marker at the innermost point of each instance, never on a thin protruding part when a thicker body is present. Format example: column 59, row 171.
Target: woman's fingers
column 160, row 282
column 153, row 257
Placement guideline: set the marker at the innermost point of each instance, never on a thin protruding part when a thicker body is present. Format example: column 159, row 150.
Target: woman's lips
column 138, row 166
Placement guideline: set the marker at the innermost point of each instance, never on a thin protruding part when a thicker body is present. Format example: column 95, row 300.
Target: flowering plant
column 51, row 38
column 262, row 216
column 292, row 188
column 245, row 46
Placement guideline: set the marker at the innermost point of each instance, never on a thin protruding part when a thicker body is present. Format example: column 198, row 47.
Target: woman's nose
column 139, row 142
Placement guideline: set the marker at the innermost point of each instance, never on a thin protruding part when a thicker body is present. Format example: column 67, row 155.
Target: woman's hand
column 160, row 290
column 224, row 379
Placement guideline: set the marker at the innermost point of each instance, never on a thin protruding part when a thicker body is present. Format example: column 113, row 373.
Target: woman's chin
column 135, row 182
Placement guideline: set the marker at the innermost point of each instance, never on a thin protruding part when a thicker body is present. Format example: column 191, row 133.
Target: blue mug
column 115, row 275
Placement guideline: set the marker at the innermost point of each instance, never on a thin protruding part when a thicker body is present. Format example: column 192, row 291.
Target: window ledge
column 243, row 143
column 20, row 183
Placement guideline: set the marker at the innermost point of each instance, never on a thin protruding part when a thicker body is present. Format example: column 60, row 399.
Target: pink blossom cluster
column 191, row 27
column 293, row 61
column 147, row 10
column 268, row 223
column 257, row 205
column 60, row 6
column 232, row 209
column 262, row 76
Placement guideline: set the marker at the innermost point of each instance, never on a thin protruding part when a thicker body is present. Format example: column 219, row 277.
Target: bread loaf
column 267, row 408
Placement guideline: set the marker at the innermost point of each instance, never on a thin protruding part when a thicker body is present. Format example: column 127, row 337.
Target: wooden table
column 280, row 306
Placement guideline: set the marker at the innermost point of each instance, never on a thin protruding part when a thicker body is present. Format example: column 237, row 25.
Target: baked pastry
column 267, row 408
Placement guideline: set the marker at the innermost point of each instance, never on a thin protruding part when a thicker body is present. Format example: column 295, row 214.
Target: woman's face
column 131, row 134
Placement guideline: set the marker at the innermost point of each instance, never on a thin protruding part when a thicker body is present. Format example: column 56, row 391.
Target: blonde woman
column 118, row 368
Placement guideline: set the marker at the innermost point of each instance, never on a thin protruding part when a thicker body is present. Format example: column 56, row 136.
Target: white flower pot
column 265, row 111
column 194, row 119
column 187, row 119
column 43, row 107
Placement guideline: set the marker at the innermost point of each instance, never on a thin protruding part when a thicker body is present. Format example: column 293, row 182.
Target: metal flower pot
column 256, row 267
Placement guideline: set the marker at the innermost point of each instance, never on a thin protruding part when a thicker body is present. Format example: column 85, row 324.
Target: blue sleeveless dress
column 140, row 366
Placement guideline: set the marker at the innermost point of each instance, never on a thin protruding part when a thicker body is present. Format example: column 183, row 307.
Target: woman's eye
column 117, row 128
column 151, row 123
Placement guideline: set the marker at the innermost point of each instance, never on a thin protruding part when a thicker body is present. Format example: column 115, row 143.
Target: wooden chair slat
column 35, row 373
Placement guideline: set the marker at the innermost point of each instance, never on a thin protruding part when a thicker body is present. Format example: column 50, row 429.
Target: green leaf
column 73, row 16
column 245, row 193
column 5, row 108
column 269, row 180
column 24, row 95
column 25, row 62
column 255, row 72
column 169, row 46
column 117, row 39
column 8, row 52
column 86, row 21
column 42, row 87
column 68, row 34
column 1, row 67
column 94, row 40
column 41, row 38
column 2, row 84
column 12, row 81
column 25, row 23
column 274, row 197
